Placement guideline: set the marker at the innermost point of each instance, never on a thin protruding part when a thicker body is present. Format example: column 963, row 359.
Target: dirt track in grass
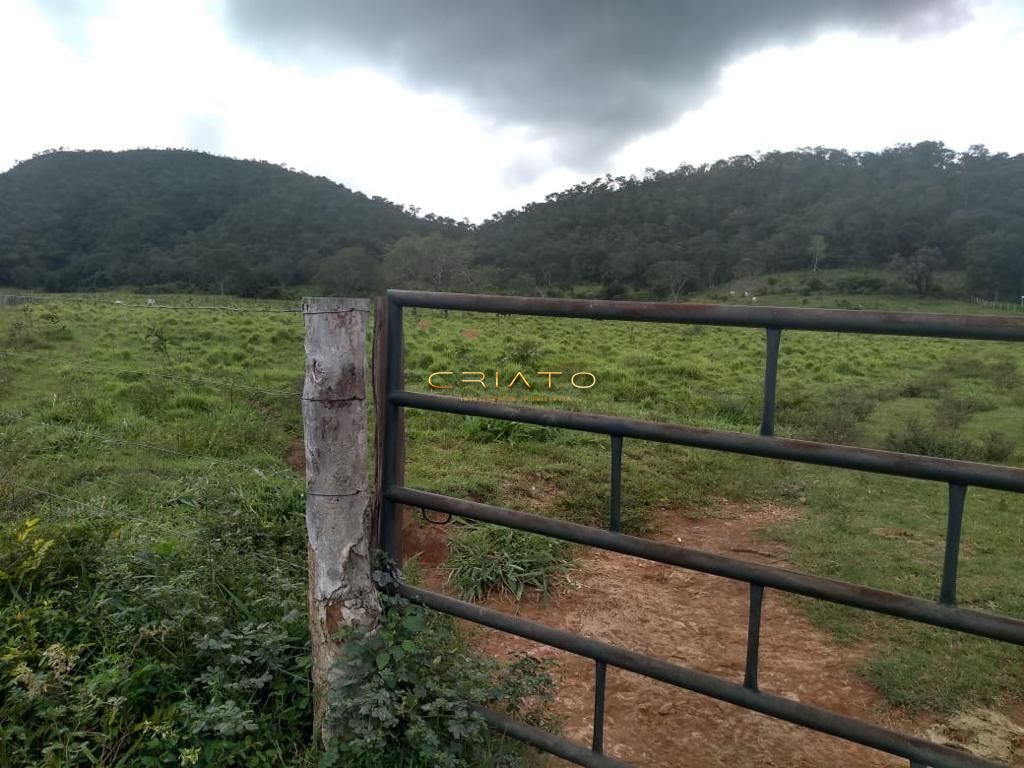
column 699, row 621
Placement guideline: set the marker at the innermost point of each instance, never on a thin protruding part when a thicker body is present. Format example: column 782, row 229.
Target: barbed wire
column 115, row 516
column 100, row 437
column 218, row 383
column 28, row 297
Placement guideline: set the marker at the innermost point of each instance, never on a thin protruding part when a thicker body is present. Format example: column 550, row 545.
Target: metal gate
column 958, row 475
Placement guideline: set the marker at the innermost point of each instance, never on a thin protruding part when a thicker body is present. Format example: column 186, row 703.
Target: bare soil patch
column 698, row 621
column 296, row 456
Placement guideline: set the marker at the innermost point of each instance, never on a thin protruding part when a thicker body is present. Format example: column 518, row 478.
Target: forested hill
column 190, row 221
column 80, row 220
column 909, row 209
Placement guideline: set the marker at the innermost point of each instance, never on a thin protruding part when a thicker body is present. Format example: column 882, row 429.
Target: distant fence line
column 14, row 299
column 1006, row 306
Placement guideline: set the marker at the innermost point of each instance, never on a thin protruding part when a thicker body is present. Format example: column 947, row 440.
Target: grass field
column 153, row 557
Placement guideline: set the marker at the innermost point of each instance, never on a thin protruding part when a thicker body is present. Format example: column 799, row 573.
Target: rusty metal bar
column 771, row 375
column 982, row 327
column 547, row 742
column 917, row 609
column 753, row 636
column 600, row 678
column 615, row 502
column 389, row 523
column 788, row 449
column 959, row 475
column 779, row 707
column 954, row 525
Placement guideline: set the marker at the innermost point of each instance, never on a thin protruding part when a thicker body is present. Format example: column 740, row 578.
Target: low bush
column 189, row 651
column 929, row 384
column 860, row 284
column 938, row 438
column 407, row 693
column 836, row 418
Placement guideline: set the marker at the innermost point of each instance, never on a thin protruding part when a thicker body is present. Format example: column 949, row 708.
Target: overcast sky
column 467, row 107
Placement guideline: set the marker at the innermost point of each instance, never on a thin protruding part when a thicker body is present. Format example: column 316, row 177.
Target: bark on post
column 341, row 590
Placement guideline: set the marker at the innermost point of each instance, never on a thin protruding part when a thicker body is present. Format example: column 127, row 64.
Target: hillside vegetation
column 185, row 220
column 90, row 220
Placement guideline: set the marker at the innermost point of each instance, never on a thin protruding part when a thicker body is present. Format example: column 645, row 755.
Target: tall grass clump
column 489, row 559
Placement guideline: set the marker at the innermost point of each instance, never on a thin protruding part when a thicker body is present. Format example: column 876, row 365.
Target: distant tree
column 818, row 249
column 349, row 272
column 995, row 265
column 672, row 278
column 427, row 262
column 918, row 270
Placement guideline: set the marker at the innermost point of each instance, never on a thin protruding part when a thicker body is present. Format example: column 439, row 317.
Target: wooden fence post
column 341, row 589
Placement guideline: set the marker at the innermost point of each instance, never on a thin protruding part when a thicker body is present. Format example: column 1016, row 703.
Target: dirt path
column 698, row 621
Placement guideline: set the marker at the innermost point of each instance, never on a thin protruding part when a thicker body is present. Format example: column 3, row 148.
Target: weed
column 502, row 431
column 523, row 352
column 489, row 558
column 407, row 695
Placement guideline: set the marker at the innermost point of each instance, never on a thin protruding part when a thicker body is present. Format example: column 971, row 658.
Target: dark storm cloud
column 589, row 74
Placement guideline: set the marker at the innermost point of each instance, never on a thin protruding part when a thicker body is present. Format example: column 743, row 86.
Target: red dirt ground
column 698, row 621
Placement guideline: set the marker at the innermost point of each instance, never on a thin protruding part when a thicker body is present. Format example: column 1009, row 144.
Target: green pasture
column 153, row 600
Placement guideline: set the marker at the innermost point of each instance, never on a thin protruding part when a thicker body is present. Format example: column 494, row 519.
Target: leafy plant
column 523, row 352
column 407, row 694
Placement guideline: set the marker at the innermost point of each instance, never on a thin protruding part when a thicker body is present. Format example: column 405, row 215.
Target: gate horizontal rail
column 958, row 475
column 989, row 625
column 788, row 449
column 713, row 686
column 978, row 327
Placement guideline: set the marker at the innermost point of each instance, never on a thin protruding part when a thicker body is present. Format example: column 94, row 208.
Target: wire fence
column 107, row 513
column 14, row 299
column 1003, row 305
column 37, row 421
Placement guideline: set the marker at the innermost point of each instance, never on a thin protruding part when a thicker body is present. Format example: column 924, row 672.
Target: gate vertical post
column 341, row 590
column 389, row 376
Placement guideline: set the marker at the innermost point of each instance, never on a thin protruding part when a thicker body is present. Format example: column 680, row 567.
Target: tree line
column 190, row 221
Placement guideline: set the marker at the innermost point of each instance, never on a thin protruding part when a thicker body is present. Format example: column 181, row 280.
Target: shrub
column 838, row 417
column 858, row 284
column 489, row 558
column 135, row 645
column 406, row 696
column 953, row 411
column 936, row 438
column 928, row 439
column 930, row 384
column 996, row 448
